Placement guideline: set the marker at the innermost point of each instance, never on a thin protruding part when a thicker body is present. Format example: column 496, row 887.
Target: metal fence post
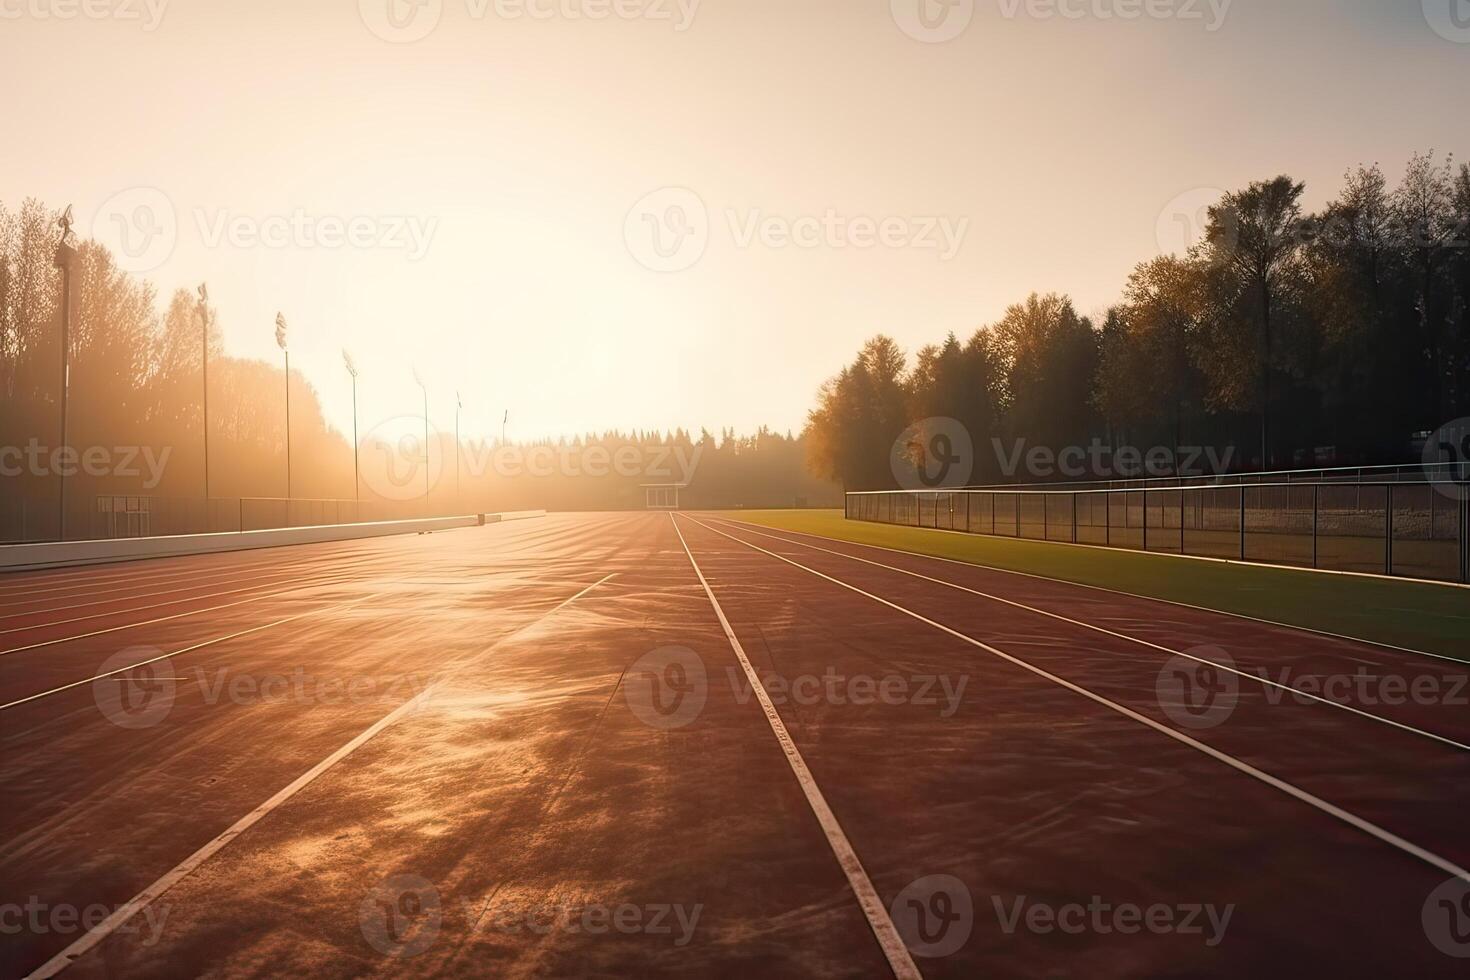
column 1388, row 530
column 1316, row 496
column 1145, row 518
column 1242, row 522
column 1181, row 521
column 1074, row 516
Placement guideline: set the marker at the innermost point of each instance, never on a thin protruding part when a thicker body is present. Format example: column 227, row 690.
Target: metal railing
column 24, row 520
column 1401, row 473
column 1413, row 530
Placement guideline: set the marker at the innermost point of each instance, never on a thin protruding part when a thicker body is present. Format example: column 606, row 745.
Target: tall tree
column 1254, row 237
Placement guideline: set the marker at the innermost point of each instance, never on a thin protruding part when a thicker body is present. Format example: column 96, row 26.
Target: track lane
column 531, row 785
column 1117, row 806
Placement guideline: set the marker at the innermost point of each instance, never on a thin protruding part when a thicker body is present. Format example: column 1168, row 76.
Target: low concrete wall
column 19, row 557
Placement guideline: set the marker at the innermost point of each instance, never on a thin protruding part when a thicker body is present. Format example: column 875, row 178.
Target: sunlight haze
column 510, row 150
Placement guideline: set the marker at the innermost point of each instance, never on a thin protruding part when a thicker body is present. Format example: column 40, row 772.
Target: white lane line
column 182, row 615
column 872, row 905
column 103, row 602
column 189, row 649
column 153, row 892
column 1266, row 682
column 77, row 581
column 1132, row 595
column 1336, row 812
column 276, row 580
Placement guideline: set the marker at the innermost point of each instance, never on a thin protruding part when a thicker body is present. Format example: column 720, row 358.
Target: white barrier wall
column 18, row 557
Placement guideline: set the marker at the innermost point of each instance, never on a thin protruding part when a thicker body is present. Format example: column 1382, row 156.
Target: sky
column 643, row 214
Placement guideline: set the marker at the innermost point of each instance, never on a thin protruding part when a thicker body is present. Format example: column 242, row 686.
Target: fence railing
column 1454, row 472
column 140, row 515
column 1414, row 530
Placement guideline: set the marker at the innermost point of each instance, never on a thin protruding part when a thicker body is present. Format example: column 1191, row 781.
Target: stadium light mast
column 281, row 343
column 458, row 407
column 356, row 471
column 204, row 350
column 423, row 388
column 66, row 253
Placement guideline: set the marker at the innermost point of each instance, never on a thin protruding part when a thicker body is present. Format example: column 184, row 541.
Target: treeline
column 137, row 385
column 1291, row 338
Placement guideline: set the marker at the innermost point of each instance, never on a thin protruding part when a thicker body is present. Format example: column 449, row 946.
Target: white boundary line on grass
column 153, row 892
column 1104, row 588
column 882, row 925
column 1264, row 681
column 1358, row 823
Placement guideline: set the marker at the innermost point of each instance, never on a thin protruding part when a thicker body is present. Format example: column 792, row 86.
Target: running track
column 656, row 746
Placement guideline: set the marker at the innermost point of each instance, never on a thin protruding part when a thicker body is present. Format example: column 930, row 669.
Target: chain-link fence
column 1414, row 530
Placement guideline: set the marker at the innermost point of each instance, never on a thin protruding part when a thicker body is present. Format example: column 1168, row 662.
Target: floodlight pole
column 288, row 424
column 281, row 330
column 426, row 445
column 65, row 254
column 204, row 349
column 356, row 470
column 458, row 500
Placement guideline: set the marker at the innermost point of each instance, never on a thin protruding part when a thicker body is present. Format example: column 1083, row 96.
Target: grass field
column 1421, row 616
